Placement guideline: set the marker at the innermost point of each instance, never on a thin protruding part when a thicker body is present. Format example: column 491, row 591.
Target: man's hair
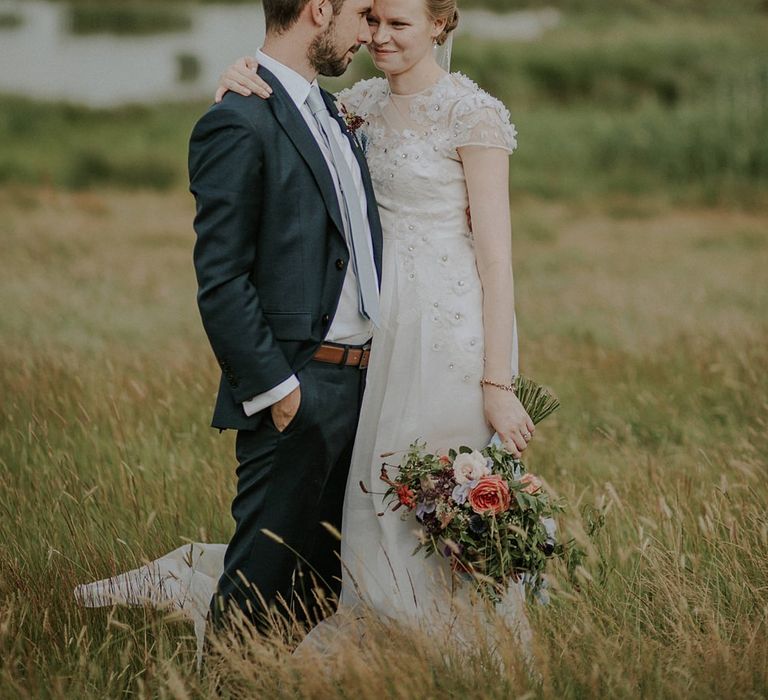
column 281, row 15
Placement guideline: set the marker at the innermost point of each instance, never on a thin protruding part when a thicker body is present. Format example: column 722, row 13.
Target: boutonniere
column 352, row 120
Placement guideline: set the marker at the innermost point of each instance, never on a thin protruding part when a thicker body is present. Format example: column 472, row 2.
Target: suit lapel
column 373, row 209
column 296, row 128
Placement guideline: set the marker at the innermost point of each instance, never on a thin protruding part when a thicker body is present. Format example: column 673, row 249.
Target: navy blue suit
column 270, row 259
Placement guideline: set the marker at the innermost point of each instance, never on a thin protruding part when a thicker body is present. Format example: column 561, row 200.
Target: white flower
column 469, row 466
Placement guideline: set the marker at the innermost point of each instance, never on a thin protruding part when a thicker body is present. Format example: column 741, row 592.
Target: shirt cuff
column 271, row 397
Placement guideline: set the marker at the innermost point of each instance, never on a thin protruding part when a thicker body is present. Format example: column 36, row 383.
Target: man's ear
column 321, row 12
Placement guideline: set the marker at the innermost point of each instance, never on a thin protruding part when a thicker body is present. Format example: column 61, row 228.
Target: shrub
column 91, row 168
column 10, row 20
column 133, row 19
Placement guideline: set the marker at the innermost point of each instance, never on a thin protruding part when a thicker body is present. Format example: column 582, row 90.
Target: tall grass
column 652, row 326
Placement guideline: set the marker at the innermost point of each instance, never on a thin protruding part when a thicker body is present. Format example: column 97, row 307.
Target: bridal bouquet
column 481, row 508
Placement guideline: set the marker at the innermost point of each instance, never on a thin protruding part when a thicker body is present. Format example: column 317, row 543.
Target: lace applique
column 411, row 149
column 459, row 107
column 363, row 95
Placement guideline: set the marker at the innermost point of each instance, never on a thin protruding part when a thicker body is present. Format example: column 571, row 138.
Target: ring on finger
column 526, row 436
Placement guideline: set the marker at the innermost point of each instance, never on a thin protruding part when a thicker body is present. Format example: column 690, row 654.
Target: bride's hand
column 241, row 78
column 508, row 418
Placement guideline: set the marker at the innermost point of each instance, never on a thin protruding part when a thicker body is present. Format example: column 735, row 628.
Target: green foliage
column 640, row 8
column 76, row 147
column 10, row 20
column 91, row 168
column 129, row 19
column 659, row 104
column 188, row 67
column 635, row 106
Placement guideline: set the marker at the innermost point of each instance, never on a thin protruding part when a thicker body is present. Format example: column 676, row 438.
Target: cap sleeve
column 482, row 120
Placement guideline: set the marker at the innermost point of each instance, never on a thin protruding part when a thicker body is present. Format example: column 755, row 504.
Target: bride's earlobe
column 438, row 29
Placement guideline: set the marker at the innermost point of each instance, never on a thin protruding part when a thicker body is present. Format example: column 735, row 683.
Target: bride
column 443, row 360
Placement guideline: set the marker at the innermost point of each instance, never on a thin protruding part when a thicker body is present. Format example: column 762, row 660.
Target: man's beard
column 323, row 54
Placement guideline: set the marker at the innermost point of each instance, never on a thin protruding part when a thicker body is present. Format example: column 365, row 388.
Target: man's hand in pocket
column 285, row 410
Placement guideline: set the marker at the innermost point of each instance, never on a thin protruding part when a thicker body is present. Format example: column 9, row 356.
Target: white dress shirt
column 349, row 326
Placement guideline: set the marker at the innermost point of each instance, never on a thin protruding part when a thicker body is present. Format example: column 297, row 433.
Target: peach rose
column 490, row 496
column 532, row 484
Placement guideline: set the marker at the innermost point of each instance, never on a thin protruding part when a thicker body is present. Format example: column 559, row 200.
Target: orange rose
column 490, row 496
column 532, row 484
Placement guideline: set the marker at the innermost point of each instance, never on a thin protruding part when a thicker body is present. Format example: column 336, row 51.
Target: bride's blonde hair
column 447, row 10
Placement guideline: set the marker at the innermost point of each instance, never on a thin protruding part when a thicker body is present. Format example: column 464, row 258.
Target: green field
column 651, row 326
column 640, row 251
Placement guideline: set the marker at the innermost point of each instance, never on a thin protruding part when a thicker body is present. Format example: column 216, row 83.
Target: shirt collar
column 295, row 85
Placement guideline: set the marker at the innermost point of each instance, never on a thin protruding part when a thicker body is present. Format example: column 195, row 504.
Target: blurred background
column 630, row 96
column 639, row 196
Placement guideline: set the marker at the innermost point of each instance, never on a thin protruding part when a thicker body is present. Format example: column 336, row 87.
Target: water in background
column 41, row 57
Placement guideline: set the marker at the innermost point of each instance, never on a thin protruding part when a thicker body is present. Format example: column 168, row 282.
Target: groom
column 288, row 260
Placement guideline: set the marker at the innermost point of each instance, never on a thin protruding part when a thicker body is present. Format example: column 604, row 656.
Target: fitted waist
column 403, row 227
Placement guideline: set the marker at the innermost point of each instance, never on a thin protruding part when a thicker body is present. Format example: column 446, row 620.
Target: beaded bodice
column 412, row 146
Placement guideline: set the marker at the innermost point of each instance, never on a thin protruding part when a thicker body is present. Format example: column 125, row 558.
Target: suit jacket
column 270, row 255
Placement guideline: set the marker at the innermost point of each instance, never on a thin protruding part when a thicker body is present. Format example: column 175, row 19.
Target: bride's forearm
column 498, row 321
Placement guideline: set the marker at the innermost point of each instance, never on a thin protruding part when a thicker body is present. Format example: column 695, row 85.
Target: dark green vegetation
column 10, row 20
column 188, row 67
column 132, row 19
column 672, row 104
column 636, row 8
column 75, row 147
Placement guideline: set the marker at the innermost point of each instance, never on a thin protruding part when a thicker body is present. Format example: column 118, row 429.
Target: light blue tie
column 358, row 238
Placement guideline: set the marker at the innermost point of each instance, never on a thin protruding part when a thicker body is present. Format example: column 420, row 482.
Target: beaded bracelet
column 505, row 387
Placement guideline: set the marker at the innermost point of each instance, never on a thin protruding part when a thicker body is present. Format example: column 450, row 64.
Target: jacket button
column 339, row 264
column 326, row 319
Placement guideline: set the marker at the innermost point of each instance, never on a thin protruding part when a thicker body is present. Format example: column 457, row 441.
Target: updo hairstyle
column 447, row 10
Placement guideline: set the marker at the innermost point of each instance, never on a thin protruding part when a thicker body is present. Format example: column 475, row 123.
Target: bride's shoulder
column 477, row 116
column 469, row 96
column 364, row 94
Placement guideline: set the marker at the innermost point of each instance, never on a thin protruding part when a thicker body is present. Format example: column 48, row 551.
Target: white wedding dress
column 426, row 363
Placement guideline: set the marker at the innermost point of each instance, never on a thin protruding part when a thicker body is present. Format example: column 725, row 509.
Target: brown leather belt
column 343, row 355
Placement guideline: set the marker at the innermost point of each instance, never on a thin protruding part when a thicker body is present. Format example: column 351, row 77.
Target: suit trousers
column 289, row 483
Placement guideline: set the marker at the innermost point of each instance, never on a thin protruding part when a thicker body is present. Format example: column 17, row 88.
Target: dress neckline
column 419, row 93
